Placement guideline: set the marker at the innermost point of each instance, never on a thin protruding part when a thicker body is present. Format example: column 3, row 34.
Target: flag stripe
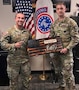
column 32, row 27
column 29, row 22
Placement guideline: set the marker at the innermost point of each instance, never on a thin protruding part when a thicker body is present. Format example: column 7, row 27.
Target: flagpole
column 44, row 19
column 43, row 76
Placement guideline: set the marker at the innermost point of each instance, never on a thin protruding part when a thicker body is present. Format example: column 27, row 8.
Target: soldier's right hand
column 18, row 44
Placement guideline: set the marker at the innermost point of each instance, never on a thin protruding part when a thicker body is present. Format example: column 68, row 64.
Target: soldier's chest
column 19, row 35
column 61, row 29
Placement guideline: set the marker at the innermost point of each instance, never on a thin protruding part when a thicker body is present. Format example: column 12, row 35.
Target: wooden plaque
column 43, row 46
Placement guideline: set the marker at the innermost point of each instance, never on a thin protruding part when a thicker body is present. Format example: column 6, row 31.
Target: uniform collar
column 62, row 19
column 18, row 29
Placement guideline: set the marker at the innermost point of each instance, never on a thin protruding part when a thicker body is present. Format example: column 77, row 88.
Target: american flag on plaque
column 25, row 7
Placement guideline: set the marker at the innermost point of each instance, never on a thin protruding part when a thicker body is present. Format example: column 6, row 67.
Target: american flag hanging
column 25, row 7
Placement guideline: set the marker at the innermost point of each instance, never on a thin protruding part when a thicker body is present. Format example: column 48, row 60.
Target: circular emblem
column 44, row 22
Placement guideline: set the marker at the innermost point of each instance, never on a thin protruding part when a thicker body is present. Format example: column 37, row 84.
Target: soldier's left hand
column 64, row 50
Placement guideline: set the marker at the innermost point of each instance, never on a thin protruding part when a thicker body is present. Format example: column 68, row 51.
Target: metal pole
column 43, row 76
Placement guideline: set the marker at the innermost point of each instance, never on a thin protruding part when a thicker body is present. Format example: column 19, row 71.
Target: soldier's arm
column 74, row 35
column 52, row 33
column 6, row 43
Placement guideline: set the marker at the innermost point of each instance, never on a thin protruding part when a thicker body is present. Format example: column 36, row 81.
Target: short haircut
column 61, row 3
column 18, row 13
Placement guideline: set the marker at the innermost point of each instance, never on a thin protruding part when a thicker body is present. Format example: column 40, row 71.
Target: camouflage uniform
column 17, row 60
column 67, row 29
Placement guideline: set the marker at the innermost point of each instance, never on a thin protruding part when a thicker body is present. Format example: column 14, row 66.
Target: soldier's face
column 60, row 10
column 19, row 19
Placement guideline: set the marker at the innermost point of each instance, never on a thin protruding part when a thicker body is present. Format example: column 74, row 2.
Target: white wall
column 7, row 16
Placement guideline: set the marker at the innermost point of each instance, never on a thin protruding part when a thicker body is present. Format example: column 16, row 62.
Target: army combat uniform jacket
column 17, row 59
column 12, row 36
column 67, row 29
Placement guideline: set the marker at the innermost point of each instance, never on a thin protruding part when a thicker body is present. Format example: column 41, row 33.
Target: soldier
column 15, row 42
column 67, row 29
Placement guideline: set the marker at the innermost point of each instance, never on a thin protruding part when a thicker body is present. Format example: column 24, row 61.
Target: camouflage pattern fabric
column 17, row 60
column 67, row 29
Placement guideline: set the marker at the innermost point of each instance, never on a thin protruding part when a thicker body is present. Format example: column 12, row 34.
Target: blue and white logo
column 44, row 22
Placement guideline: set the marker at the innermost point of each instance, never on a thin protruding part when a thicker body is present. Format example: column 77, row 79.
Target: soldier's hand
column 18, row 44
column 64, row 50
